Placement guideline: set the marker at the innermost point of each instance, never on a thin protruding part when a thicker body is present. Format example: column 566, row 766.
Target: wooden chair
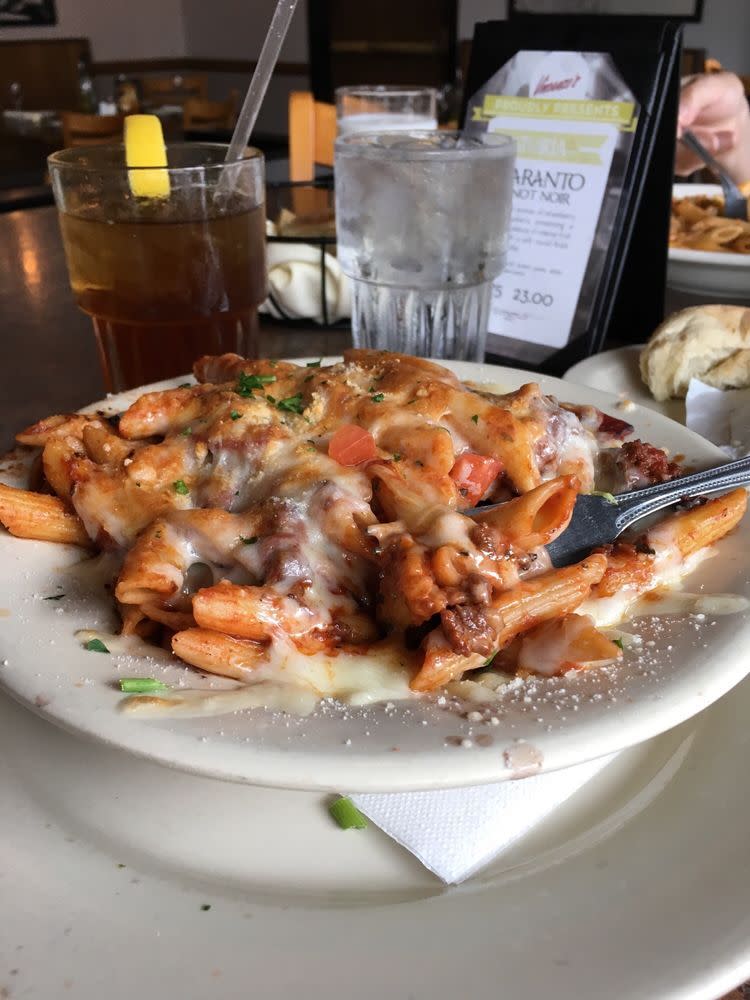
column 177, row 89
column 199, row 113
column 312, row 133
column 90, row 130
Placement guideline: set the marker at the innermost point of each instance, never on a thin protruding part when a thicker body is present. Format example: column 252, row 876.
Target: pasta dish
column 275, row 514
column 697, row 223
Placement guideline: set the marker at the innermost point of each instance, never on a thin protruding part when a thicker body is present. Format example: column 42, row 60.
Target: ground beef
column 467, row 630
column 640, row 464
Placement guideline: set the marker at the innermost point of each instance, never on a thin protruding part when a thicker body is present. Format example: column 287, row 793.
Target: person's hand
column 715, row 108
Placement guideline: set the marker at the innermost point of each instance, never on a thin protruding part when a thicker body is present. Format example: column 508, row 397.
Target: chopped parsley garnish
column 180, row 487
column 205, row 907
column 246, row 383
column 235, row 414
column 475, row 418
column 185, row 385
column 96, row 646
column 347, row 815
column 248, row 541
column 186, row 431
column 378, row 397
column 313, row 364
column 293, row 404
column 54, row 597
column 618, row 642
column 141, row 685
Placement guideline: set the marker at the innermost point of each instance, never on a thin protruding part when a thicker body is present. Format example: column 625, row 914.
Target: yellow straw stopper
column 144, row 147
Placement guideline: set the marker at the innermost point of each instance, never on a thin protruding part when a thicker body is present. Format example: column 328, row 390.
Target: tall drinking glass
column 164, row 279
column 385, row 109
column 421, row 223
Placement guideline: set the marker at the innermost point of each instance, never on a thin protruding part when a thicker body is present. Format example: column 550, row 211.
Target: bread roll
column 711, row 343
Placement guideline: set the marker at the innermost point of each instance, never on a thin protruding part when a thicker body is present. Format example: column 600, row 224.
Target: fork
column 735, row 205
column 599, row 519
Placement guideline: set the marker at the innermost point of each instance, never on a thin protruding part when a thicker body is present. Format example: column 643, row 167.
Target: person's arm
column 715, row 107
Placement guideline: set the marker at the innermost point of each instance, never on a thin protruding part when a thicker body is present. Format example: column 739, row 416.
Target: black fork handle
column 641, row 503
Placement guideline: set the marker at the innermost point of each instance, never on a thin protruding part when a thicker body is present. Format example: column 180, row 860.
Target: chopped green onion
column 378, row 397
column 185, row 385
column 205, row 907
column 397, row 456
column 54, row 597
column 248, row 541
column 618, row 642
column 96, row 646
column 186, row 431
column 246, row 383
column 489, row 660
column 141, row 685
column 179, row 487
column 293, row 404
column 475, row 418
column 347, row 815
column 271, row 399
column 235, row 414
column 604, row 495
column 313, row 364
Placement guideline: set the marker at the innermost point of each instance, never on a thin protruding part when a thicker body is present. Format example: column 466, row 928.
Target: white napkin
column 456, row 831
column 294, row 281
column 722, row 416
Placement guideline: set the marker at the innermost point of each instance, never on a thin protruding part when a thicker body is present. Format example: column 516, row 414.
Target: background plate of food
column 708, row 255
column 386, row 692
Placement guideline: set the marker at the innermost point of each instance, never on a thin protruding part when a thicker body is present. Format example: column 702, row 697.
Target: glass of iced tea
column 165, row 279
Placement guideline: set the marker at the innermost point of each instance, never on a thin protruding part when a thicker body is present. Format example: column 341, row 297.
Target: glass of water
column 421, row 225
column 385, row 109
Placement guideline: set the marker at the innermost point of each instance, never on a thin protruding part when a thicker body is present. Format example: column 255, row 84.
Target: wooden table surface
column 48, row 361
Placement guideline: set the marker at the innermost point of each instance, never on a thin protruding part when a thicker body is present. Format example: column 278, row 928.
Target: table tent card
column 586, row 124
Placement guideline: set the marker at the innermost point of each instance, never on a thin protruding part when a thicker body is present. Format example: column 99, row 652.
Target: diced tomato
column 474, row 474
column 351, row 445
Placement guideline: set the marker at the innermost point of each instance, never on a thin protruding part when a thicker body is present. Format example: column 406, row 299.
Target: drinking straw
column 269, row 54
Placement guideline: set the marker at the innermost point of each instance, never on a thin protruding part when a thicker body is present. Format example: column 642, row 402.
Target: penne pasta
column 531, row 603
column 275, row 511
column 60, row 425
column 36, row 515
column 701, row 526
column 218, row 653
column 256, row 613
column 697, row 224
column 537, row 517
column 154, row 568
column 58, row 461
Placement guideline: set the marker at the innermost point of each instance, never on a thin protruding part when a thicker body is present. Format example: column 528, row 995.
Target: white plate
column 720, row 276
column 637, row 887
column 567, row 721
